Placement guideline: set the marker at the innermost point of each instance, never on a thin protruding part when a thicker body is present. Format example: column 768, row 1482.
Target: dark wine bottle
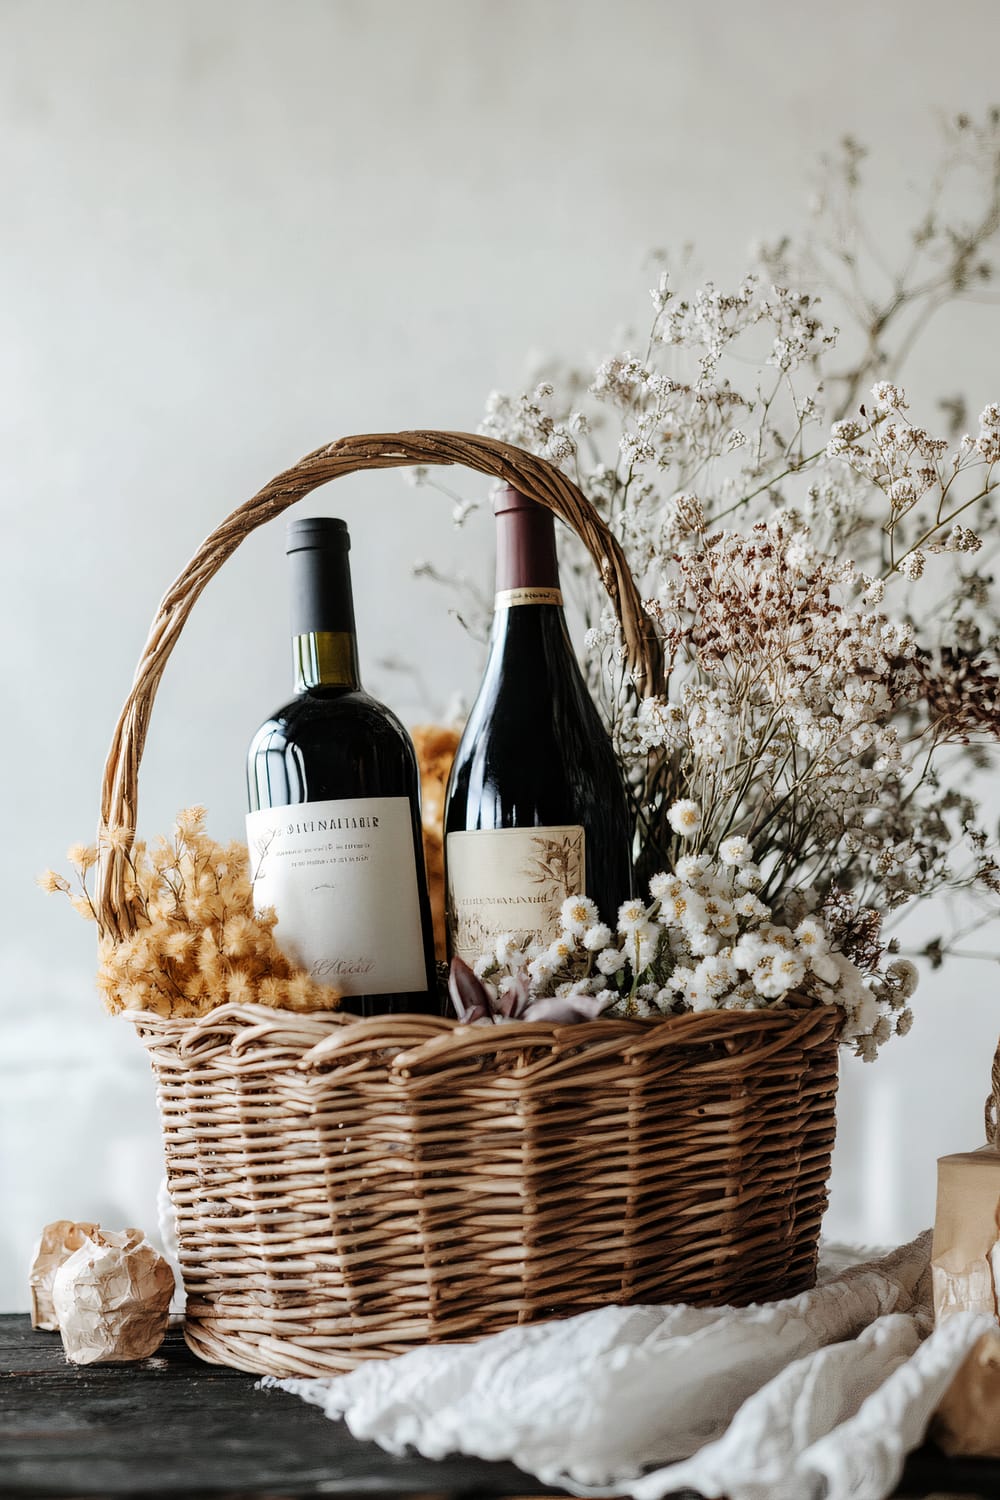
column 334, row 824
column 536, row 809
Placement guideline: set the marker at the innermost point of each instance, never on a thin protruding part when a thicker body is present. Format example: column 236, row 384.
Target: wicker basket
column 348, row 1188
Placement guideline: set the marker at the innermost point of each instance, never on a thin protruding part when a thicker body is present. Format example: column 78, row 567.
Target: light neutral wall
column 230, row 231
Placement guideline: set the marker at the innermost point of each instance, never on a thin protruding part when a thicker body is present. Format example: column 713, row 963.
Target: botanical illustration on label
column 510, row 880
column 507, row 597
column 342, row 878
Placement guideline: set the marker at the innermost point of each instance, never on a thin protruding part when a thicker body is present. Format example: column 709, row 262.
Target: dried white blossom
column 735, row 851
column 577, row 914
column 684, row 817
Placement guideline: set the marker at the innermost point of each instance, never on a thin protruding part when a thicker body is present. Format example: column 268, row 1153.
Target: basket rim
column 328, row 1037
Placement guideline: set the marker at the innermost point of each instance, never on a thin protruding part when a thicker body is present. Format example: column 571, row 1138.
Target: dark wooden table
column 172, row 1427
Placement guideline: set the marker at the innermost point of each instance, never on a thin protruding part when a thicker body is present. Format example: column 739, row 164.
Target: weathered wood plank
column 173, row 1428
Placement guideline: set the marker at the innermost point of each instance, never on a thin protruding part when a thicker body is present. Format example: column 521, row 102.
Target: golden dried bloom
column 239, row 990
column 239, row 935
column 162, row 856
column 190, row 822
column 435, row 746
column 209, row 963
column 196, row 911
column 178, row 943
column 82, row 857
column 142, row 998
column 270, row 991
column 299, row 992
column 50, row 881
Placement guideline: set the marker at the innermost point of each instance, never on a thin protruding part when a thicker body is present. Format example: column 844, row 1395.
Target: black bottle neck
column 324, row 638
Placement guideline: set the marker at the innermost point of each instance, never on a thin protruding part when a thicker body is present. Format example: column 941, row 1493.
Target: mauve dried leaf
column 469, row 996
column 566, row 1009
column 515, row 1000
column 473, row 1001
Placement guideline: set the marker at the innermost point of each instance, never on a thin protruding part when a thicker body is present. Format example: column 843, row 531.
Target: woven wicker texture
column 347, row 1189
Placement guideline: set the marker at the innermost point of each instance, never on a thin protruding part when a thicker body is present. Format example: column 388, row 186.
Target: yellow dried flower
column 82, row 857
column 190, row 822
column 239, row 990
column 198, row 942
column 270, row 991
column 178, row 943
column 239, row 937
column 300, row 992
column 162, row 855
column 107, row 983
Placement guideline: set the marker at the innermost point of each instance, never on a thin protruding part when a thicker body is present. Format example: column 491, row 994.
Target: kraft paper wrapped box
column 965, row 1258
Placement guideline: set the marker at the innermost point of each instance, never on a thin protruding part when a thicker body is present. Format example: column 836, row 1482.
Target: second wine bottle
column 536, row 810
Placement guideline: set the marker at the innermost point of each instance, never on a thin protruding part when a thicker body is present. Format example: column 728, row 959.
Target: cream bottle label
column 342, row 878
column 510, row 880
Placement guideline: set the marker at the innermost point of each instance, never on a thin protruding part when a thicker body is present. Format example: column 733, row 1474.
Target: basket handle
column 992, row 1111
column 533, row 476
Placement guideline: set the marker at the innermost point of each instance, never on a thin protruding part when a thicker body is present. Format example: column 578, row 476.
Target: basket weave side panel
column 534, row 476
column 352, row 1201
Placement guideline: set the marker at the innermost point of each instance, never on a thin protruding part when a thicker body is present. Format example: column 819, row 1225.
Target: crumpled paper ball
column 57, row 1243
column 111, row 1297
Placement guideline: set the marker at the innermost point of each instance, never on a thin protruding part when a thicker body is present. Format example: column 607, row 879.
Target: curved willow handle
column 533, row 476
column 992, row 1111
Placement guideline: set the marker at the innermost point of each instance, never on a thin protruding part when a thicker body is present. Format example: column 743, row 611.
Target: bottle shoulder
column 535, row 750
column 532, row 683
column 324, row 711
column 325, row 746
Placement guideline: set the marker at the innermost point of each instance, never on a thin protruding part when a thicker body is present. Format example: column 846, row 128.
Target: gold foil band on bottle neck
column 506, row 598
column 325, row 658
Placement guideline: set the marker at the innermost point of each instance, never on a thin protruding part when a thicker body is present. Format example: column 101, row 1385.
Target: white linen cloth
column 820, row 1395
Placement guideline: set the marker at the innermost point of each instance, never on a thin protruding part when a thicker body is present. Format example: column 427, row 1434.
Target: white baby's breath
column 577, row 914
column 684, row 817
column 631, row 917
column 508, row 948
column 597, row 937
column 735, row 851
column 611, row 961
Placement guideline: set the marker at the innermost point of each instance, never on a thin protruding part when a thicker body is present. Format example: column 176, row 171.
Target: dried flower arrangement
column 705, row 941
column 818, row 567
column 199, row 943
